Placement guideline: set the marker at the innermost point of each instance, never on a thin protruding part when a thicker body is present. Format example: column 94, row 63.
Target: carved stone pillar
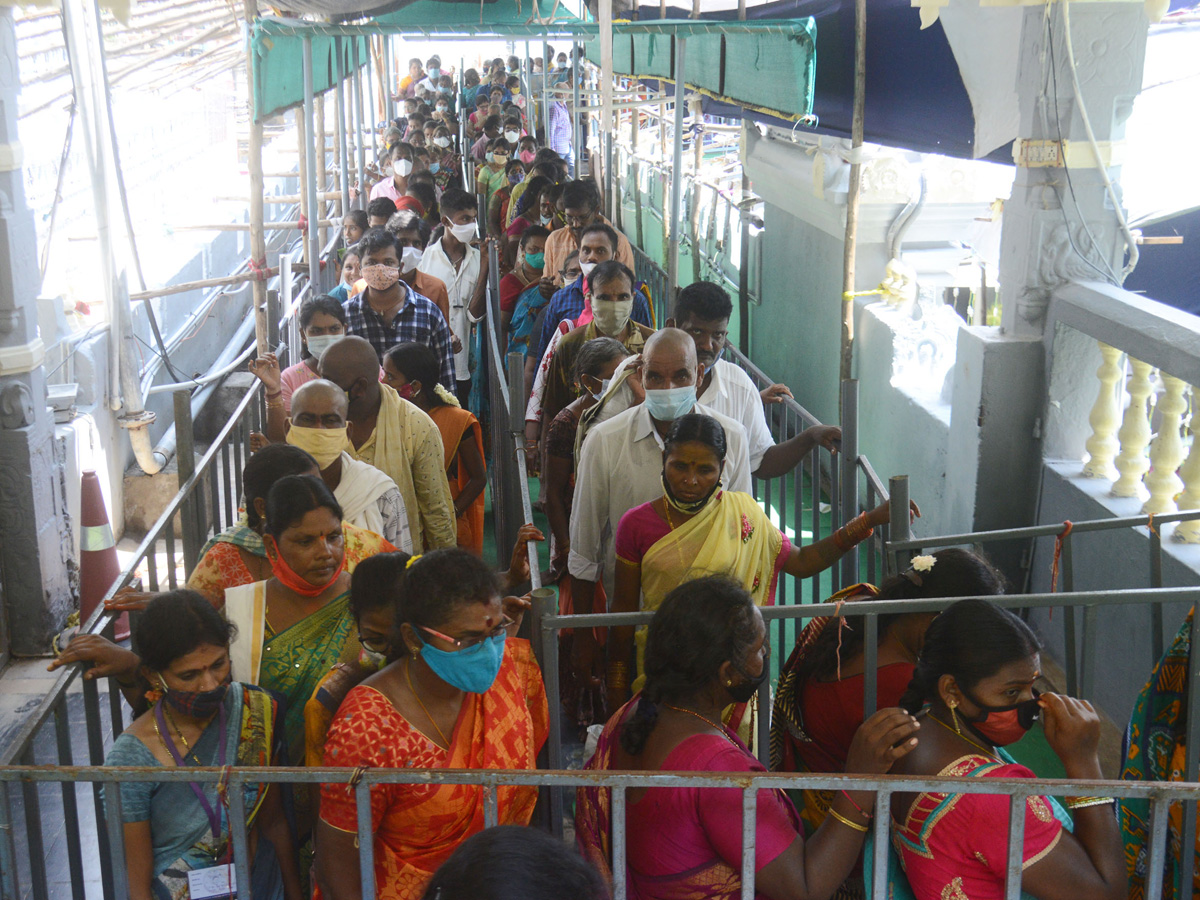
column 1058, row 223
column 35, row 536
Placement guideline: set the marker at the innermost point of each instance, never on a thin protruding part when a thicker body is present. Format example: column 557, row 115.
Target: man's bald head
column 349, row 359
column 319, row 404
column 669, row 360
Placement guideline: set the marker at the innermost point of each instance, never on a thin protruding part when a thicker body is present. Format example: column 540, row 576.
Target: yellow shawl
column 407, row 446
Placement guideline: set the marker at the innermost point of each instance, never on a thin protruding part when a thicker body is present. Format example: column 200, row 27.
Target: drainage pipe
column 904, row 220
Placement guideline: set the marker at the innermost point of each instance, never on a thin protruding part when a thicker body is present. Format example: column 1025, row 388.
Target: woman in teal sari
column 178, row 832
column 521, row 294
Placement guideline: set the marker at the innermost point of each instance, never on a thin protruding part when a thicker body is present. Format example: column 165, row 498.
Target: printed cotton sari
column 182, row 834
column 453, row 422
column 418, row 826
column 1155, row 750
column 520, row 326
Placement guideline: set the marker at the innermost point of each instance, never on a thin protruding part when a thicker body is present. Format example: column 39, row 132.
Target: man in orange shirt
column 581, row 208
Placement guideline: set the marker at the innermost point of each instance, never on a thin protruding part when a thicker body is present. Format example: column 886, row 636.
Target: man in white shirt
column 457, row 264
column 368, row 497
column 621, row 465
column 703, row 310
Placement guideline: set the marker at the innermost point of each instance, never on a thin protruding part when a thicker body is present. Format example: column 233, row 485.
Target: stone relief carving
column 1058, row 263
column 16, row 405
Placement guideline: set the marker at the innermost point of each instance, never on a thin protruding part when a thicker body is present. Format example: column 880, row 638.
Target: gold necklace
column 417, row 697
column 709, row 722
column 991, row 753
column 179, row 731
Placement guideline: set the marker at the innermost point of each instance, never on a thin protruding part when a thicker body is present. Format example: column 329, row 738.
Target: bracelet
column 865, row 814
column 1085, row 802
column 277, row 393
column 862, row 829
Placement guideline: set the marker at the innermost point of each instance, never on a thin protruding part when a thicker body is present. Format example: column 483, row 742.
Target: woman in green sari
column 296, row 625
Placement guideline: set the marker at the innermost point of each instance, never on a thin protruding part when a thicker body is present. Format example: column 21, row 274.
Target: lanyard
column 214, row 819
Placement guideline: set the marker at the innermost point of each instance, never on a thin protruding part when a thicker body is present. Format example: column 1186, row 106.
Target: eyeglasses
column 467, row 643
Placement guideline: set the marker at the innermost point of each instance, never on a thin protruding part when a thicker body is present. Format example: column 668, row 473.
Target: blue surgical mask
column 669, row 404
column 472, row 669
column 434, row 168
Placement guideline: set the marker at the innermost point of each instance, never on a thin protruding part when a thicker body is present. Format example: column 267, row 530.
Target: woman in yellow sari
column 696, row 529
column 412, row 370
column 462, row 694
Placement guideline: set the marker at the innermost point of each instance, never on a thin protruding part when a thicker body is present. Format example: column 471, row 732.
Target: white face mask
column 442, row 107
column 402, row 167
column 442, row 142
column 319, row 343
column 409, row 259
column 512, row 136
column 465, row 233
column 586, row 268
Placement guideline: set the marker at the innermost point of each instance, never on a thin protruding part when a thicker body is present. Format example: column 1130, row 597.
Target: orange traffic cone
column 98, row 565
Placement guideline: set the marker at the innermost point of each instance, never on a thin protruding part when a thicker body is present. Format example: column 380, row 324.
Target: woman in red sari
column 819, row 700
column 706, row 649
column 463, row 694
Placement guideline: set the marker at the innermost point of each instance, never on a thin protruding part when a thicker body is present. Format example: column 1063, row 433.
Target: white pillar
column 1189, row 472
column 1166, row 453
column 1105, row 416
column 1135, row 432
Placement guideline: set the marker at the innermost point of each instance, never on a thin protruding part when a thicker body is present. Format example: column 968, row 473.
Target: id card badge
column 212, row 883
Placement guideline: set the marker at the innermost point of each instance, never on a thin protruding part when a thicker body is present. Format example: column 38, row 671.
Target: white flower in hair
column 923, row 563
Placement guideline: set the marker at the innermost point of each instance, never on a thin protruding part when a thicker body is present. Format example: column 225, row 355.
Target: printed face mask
column 410, row 259
column 323, row 444
column 669, row 404
column 380, row 277
column 200, row 704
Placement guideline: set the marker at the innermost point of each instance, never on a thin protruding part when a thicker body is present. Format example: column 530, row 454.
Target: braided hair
column 700, row 626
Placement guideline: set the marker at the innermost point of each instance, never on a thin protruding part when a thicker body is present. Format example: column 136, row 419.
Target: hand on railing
column 129, row 600
column 882, row 514
column 258, row 440
column 776, row 393
column 103, row 658
column 518, row 566
column 827, row 436
column 515, row 608
column 266, row 370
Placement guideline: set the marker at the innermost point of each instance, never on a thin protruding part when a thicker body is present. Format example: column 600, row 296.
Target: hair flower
column 923, row 563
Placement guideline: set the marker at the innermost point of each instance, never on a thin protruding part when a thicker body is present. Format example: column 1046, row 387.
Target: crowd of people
column 350, row 620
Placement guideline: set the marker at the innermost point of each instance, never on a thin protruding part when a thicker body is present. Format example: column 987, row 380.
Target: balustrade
column 1165, row 472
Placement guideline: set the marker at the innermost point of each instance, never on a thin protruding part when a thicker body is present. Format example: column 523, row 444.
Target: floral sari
column 418, row 826
column 183, row 838
column 1155, row 750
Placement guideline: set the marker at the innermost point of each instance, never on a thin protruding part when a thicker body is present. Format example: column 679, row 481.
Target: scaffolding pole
column 855, row 190
column 576, row 131
column 340, row 110
column 312, row 238
column 676, row 175
column 258, row 235
column 364, row 191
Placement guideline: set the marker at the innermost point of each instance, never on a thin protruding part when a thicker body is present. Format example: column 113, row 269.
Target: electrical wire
column 1130, row 241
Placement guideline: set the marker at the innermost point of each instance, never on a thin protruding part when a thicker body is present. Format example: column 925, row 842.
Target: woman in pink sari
column 706, row 649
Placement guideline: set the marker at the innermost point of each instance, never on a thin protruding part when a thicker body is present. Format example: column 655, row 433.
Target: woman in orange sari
column 463, row 694
column 412, row 370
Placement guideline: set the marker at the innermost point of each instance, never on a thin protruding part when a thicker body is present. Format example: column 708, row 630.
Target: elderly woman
column 462, row 694
column 707, row 648
column 179, row 831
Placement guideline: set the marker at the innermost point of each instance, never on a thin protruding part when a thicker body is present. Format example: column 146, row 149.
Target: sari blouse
column 418, row 826
column 683, row 843
column 954, row 846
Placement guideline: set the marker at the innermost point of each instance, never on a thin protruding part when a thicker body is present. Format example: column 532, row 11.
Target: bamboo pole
column 302, row 168
column 288, row 198
column 183, row 288
column 322, row 159
column 852, row 201
column 258, row 236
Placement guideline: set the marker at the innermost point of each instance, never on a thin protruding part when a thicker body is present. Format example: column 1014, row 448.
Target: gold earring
column 953, row 704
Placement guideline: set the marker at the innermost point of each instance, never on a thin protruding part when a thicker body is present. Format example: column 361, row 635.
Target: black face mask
column 741, row 693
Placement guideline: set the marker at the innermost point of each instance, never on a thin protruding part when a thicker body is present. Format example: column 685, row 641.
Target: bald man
column 395, row 437
column 368, row 497
column 621, row 463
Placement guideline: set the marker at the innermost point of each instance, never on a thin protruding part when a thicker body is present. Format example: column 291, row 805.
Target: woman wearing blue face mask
column 462, row 694
column 176, row 832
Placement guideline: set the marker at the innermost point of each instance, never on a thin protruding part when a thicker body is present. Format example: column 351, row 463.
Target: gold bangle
column 1085, row 802
column 862, row 829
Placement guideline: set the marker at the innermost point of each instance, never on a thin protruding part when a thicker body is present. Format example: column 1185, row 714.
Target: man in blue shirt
column 597, row 244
